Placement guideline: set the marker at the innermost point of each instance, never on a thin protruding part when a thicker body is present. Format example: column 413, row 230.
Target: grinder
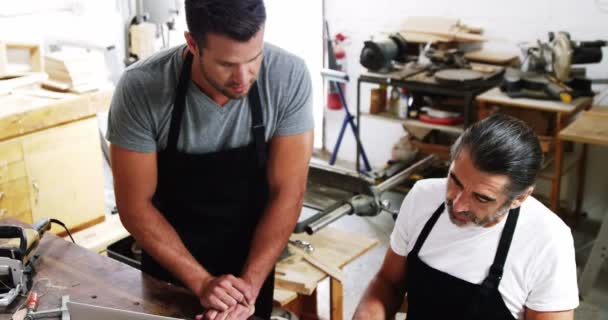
column 378, row 55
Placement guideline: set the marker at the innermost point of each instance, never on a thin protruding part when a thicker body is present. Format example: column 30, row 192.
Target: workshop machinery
column 378, row 55
column 547, row 71
column 337, row 192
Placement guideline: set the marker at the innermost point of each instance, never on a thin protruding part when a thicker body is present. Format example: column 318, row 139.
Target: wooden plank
column 421, row 37
column 8, row 85
column 589, row 128
column 284, row 297
column 20, row 115
column 490, row 56
column 443, row 27
column 494, row 95
column 332, row 247
column 417, row 123
column 42, row 93
column 332, row 271
column 297, row 277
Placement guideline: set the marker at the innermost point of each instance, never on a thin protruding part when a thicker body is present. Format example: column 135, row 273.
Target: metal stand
column 335, row 78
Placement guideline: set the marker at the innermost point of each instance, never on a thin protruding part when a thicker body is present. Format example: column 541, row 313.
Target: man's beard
column 222, row 88
column 483, row 222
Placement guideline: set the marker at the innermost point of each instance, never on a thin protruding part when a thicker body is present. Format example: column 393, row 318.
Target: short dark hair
column 504, row 145
column 237, row 19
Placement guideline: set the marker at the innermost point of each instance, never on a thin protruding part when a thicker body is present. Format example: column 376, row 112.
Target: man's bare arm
column 554, row 315
column 287, row 169
column 135, row 180
column 386, row 291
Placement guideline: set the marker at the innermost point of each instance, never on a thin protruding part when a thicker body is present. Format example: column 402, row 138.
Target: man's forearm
column 159, row 239
column 380, row 300
column 271, row 235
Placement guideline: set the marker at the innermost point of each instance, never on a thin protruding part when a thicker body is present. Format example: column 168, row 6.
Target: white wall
column 300, row 34
column 102, row 23
column 505, row 22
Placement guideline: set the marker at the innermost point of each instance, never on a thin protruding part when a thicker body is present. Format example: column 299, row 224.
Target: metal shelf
column 417, row 123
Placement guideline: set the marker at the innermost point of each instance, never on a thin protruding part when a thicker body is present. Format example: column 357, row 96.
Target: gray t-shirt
column 140, row 112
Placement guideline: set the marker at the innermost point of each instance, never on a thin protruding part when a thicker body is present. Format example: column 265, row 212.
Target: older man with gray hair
column 477, row 245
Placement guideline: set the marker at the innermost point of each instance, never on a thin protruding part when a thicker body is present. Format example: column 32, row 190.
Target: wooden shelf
column 417, row 123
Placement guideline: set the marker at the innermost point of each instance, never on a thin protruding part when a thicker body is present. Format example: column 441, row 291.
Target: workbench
column 591, row 128
column 68, row 269
column 562, row 114
column 66, row 265
column 50, row 156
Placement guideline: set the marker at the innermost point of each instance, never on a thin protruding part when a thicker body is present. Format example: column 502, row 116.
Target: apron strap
column 257, row 125
column 491, row 282
column 496, row 270
column 426, row 230
column 179, row 103
column 257, row 122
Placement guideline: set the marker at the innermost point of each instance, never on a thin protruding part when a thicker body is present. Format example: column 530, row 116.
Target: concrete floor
column 360, row 271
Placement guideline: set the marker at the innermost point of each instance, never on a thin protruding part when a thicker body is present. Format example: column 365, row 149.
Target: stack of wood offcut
column 439, row 29
column 451, row 31
column 77, row 71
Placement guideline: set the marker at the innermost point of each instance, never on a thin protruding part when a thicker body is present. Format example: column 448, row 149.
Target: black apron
column 433, row 294
column 214, row 200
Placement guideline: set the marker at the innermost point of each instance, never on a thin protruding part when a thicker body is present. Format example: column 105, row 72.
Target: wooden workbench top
column 67, row 269
column 591, row 127
column 29, row 110
column 494, row 95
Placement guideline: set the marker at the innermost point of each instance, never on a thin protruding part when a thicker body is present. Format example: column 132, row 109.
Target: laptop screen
column 82, row 311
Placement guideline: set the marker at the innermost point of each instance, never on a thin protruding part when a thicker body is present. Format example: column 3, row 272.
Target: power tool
column 17, row 257
column 547, row 71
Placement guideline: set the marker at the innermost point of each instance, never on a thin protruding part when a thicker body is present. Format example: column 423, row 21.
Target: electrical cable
column 65, row 227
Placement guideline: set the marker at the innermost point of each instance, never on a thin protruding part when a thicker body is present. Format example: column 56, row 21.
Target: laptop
column 82, row 311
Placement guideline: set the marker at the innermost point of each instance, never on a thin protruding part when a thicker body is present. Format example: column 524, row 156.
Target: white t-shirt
column 540, row 271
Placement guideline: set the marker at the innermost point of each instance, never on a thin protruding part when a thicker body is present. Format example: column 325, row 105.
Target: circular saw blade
column 562, row 56
column 458, row 76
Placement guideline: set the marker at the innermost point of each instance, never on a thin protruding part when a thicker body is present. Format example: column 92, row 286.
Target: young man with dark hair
column 210, row 148
column 476, row 245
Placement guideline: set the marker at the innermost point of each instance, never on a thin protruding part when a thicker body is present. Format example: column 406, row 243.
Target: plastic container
column 404, row 103
column 394, row 100
column 378, row 100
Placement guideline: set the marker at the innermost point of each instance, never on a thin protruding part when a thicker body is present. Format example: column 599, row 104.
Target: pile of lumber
column 439, row 29
column 76, row 71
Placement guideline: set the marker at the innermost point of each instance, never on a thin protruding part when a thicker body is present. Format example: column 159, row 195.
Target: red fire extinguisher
column 333, row 97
